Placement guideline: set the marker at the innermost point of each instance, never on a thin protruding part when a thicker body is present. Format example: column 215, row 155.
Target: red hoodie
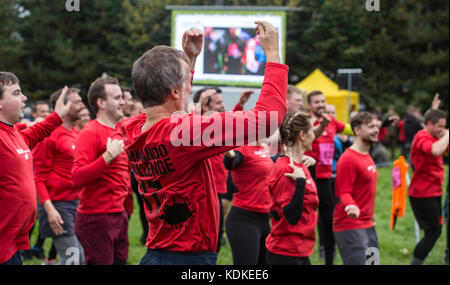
column 17, row 187
column 176, row 180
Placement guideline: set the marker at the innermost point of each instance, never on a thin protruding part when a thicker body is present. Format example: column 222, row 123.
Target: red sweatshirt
column 251, row 180
column 286, row 239
column 52, row 161
column 428, row 175
column 176, row 179
column 17, row 187
column 323, row 148
column 356, row 184
column 103, row 187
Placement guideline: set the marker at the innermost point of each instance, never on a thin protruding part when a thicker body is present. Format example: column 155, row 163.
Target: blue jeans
column 14, row 260
column 158, row 257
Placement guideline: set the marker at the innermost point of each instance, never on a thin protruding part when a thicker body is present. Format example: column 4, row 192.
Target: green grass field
column 396, row 246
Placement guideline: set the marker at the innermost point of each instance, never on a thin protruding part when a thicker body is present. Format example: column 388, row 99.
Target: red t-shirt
column 220, row 173
column 52, row 162
column 170, row 161
column 286, row 239
column 251, row 180
column 323, row 148
column 103, row 187
column 356, row 184
column 428, row 175
column 17, row 187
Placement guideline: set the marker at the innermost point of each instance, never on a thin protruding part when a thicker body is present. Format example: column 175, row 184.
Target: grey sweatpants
column 69, row 250
column 358, row 246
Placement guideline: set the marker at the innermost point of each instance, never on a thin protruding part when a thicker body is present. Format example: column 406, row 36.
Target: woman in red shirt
column 247, row 225
column 294, row 194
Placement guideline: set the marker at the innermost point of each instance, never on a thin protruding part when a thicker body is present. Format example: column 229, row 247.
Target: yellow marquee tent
column 341, row 99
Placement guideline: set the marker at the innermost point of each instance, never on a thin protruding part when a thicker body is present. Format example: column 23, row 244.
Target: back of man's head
column 97, row 90
column 156, row 73
column 7, row 79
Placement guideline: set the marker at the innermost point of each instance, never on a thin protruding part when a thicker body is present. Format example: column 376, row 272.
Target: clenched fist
column 269, row 40
column 113, row 149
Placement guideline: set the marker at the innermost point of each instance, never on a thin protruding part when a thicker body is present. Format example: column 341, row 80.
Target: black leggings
column 247, row 232
column 276, row 259
column 326, row 208
column 428, row 213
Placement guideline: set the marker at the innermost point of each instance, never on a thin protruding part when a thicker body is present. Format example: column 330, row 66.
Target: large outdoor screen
column 232, row 54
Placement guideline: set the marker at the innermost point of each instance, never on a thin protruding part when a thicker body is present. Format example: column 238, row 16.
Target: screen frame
column 242, row 83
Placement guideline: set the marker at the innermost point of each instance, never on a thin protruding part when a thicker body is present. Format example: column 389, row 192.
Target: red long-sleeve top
column 170, row 161
column 356, row 184
column 52, row 161
column 17, row 187
column 103, row 187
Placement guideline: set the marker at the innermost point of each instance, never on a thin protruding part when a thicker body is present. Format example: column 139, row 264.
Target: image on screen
column 233, row 51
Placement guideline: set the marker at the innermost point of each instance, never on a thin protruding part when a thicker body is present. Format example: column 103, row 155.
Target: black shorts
column 428, row 211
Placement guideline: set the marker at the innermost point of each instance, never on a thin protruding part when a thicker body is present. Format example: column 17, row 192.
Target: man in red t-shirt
column 169, row 152
column 323, row 152
column 101, row 171
column 52, row 162
column 17, row 187
column 356, row 186
column 425, row 190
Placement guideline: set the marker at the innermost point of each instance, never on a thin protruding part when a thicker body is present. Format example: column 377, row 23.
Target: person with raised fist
column 174, row 174
column 17, row 187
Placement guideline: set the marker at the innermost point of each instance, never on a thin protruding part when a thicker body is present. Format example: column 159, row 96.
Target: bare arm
column 440, row 146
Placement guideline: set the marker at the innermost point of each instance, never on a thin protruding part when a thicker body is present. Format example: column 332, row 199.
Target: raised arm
column 35, row 134
column 192, row 43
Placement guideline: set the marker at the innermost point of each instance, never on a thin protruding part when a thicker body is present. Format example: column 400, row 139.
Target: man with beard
column 101, row 170
column 52, row 161
column 356, row 185
column 323, row 152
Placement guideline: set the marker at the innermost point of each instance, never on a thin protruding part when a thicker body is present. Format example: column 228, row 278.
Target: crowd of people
column 201, row 174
